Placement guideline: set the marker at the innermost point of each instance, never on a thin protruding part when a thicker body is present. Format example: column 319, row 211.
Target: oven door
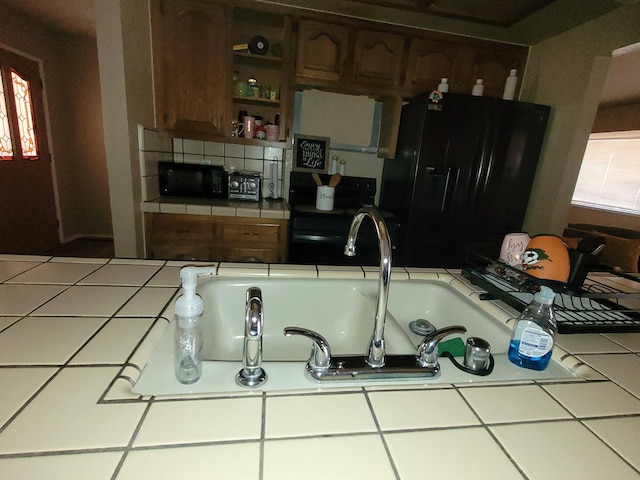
column 319, row 241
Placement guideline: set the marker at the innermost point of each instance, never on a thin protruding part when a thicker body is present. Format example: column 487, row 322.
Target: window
column 609, row 178
column 17, row 132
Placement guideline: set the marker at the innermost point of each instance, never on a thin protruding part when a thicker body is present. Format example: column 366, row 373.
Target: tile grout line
column 610, row 447
column 381, row 434
column 129, row 445
column 487, row 429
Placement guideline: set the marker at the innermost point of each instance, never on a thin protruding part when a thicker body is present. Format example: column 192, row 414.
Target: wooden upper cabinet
column 492, row 64
column 322, row 50
column 349, row 55
column 378, row 58
column 427, row 63
column 192, row 60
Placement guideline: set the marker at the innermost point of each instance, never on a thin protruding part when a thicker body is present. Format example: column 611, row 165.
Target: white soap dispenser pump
column 188, row 335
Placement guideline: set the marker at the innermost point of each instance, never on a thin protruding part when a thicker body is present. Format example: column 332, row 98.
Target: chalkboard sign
column 311, row 154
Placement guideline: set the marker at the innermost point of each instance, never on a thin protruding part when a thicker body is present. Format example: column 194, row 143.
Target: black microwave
column 192, row 180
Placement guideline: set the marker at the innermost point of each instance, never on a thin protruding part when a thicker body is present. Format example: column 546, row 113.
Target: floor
column 85, row 247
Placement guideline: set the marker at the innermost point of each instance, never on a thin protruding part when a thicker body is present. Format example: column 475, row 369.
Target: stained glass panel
column 24, row 111
column 6, row 149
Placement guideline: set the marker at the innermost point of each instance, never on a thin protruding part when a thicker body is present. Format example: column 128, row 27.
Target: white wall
column 124, row 55
column 74, row 112
column 568, row 72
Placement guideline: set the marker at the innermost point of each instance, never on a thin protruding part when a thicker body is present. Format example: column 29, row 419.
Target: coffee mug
column 546, row 257
column 324, row 197
column 249, row 127
column 237, row 128
column 513, row 245
column 273, row 132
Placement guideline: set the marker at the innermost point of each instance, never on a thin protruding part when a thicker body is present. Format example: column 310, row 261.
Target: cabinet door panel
column 194, row 67
column 429, row 61
column 322, row 50
column 492, row 65
column 378, row 58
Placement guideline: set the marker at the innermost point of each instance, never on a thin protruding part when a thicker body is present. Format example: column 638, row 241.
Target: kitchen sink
column 342, row 311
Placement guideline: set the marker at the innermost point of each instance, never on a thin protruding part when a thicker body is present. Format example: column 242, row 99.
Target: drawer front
column 166, row 250
column 182, row 227
column 246, row 234
column 251, row 255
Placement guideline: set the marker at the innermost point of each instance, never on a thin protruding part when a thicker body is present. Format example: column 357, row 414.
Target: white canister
column 513, row 246
column 324, row 197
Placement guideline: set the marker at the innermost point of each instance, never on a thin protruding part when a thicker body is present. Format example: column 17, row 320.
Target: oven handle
column 318, row 238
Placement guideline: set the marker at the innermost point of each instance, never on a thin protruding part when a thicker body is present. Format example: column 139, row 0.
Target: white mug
column 513, row 245
column 324, row 198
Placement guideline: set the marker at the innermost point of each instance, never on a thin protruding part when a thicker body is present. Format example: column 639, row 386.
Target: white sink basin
column 343, row 312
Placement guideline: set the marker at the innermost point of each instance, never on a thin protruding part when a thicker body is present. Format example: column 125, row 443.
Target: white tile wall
column 155, row 148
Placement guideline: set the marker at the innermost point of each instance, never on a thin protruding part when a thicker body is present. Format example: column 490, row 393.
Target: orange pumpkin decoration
column 546, row 257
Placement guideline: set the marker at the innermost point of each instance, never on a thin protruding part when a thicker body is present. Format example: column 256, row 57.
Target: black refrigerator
column 461, row 177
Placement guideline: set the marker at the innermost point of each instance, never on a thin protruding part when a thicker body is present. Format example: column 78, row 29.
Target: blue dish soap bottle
column 531, row 342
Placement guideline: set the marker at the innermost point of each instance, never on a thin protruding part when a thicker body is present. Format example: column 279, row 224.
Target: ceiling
column 77, row 16
column 623, row 84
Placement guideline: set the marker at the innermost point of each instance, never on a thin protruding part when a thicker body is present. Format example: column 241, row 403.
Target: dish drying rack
column 606, row 302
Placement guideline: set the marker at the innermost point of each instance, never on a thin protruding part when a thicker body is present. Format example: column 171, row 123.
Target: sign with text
column 311, row 154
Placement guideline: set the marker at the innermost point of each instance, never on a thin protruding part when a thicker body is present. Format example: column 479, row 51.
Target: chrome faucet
column 252, row 373
column 376, row 353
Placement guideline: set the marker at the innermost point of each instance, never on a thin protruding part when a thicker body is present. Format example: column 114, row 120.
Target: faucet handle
column 427, row 355
column 320, row 357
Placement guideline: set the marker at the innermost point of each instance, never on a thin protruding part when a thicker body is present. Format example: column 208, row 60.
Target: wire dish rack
column 606, row 302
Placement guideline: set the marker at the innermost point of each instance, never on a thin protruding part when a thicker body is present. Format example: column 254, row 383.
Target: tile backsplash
column 154, row 148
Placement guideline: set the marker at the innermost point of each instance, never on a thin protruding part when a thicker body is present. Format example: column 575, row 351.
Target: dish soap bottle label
column 535, row 342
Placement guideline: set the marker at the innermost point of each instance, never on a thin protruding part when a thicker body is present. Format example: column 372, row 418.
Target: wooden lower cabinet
column 212, row 238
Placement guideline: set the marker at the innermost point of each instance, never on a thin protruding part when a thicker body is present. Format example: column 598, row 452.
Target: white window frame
column 599, row 184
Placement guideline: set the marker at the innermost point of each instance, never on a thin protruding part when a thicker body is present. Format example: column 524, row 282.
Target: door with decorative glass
column 28, row 220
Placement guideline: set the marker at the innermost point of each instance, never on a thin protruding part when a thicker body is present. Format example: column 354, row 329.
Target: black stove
column 318, row 237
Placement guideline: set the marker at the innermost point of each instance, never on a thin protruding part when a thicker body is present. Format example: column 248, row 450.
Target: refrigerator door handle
column 447, row 178
column 481, row 166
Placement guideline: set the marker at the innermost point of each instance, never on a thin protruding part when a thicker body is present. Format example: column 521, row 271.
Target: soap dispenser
column 188, row 334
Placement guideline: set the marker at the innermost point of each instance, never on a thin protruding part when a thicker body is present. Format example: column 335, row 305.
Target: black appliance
column 462, row 175
column 318, row 237
column 192, row 180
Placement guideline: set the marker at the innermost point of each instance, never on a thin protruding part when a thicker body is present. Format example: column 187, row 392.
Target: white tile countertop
column 72, row 331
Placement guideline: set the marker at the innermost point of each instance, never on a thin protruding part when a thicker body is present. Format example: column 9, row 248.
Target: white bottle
column 478, row 88
column 510, row 85
column 444, row 85
column 531, row 344
column 188, row 335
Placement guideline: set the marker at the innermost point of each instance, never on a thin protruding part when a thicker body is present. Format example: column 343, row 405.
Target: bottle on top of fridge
column 510, row 85
column 478, row 88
